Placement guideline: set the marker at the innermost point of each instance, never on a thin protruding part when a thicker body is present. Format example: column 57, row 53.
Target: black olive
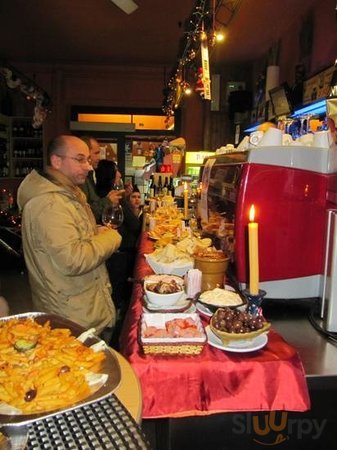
column 64, row 369
column 30, row 395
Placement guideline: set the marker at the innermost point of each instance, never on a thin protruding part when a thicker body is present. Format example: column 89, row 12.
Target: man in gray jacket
column 97, row 203
column 65, row 251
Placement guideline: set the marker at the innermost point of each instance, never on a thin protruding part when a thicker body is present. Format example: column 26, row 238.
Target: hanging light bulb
column 220, row 34
column 187, row 88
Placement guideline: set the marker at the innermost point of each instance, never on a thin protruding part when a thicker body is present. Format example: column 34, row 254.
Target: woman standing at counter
column 120, row 265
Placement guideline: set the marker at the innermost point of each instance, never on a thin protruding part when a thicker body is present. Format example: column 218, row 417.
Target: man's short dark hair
column 56, row 146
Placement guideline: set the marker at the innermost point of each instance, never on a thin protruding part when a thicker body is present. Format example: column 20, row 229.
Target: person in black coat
column 120, row 265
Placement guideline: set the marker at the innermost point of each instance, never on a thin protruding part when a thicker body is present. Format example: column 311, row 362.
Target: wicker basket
column 171, row 346
column 175, row 349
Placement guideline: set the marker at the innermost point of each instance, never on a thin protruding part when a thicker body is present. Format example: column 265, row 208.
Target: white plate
column 203, row 310
column 181, row 304
column 237, row 346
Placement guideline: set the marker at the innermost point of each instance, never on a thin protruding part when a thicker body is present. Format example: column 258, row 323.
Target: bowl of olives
column 232, row 324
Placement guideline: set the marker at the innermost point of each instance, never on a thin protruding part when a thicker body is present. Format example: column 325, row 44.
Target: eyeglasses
column 80, row 159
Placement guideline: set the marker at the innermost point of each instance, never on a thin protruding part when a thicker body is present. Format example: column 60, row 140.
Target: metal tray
column 110, row 366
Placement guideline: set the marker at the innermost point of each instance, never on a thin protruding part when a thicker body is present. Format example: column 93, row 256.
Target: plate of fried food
column 50, row 365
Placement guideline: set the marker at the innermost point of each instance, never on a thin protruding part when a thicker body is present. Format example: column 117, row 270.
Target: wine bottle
column 165, row 187
column 152, row 187
column 171, row 187
column 160, row 186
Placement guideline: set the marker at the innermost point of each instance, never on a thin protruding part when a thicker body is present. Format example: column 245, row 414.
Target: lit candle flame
column 252, row 213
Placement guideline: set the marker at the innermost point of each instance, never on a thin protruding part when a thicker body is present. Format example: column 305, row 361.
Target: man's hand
column 115, row 196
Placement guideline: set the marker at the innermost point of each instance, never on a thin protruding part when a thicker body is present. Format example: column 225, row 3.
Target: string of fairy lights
column 203, row 31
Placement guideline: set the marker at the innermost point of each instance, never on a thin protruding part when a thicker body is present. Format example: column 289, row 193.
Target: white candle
column 253, row 229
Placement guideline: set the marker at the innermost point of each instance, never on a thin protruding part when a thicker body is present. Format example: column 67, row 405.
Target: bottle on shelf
column 171, row 187
column 166, row 186
column 152, row 187
column 160, row 186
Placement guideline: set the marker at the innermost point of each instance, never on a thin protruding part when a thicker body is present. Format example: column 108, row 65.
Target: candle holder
column 254, row 301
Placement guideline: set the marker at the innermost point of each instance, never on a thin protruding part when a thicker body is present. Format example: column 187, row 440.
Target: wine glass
column 118, row 185
column 112, row 216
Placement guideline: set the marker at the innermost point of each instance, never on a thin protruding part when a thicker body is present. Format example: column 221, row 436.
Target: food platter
column 213, row 305
column 243, row 346
column 110, row 366
column 176, row 268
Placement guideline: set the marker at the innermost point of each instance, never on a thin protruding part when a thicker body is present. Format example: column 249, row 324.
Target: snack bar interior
column 168, row 224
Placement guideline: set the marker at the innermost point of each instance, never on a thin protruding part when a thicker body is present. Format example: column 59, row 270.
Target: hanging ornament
column 199, row 85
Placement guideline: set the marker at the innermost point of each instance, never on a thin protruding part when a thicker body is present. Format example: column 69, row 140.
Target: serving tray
column 110, row 366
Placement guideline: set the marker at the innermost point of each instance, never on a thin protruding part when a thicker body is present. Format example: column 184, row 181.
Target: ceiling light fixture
column 128, row 6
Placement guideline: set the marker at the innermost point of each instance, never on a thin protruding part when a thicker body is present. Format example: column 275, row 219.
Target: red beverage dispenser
column 292, row 189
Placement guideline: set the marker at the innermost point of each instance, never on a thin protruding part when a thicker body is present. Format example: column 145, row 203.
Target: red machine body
column 292, row 189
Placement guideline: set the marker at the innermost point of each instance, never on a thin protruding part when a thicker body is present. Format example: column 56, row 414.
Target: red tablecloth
column 214, row 381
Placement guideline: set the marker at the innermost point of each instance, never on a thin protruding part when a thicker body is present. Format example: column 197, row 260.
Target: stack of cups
column 193, row 282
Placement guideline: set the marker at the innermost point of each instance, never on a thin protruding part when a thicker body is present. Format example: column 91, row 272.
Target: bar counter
column 207, row 428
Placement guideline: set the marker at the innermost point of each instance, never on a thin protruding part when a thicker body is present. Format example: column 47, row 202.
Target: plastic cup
column 272, row 137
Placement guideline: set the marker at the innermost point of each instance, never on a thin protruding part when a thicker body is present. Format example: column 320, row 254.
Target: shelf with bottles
column 160, row 184
column 26, row 147
column 22, row 167
column 22, row 128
